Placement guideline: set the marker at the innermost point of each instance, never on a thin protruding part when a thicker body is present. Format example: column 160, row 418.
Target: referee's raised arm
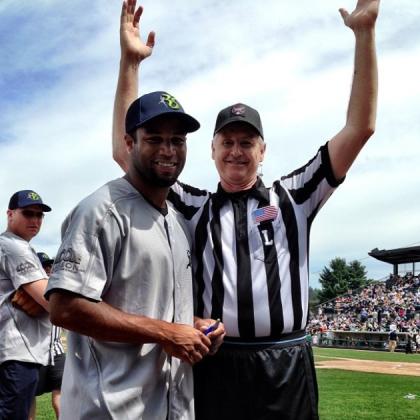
column 361, row 114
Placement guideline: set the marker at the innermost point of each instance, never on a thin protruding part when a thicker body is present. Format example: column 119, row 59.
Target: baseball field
column 353, row 384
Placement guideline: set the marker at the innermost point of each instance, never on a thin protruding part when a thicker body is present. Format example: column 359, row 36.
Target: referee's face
column 159, row 151
column 237, row 150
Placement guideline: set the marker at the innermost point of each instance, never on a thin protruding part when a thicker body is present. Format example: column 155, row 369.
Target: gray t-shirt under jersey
column 22, row 337
column 115, row 248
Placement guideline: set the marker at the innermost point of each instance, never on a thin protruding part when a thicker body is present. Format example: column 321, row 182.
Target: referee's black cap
column 239, row 112
column 155, row 104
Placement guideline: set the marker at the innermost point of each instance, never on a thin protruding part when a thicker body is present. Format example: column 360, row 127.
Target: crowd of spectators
column 380, row 307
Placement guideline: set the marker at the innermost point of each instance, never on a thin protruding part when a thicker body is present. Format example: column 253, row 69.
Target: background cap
column 26, row 198
column 44, row 258
column 239, row 112
column 154, row 104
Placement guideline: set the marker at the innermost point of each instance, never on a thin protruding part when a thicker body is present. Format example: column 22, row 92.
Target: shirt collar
column 257, row 191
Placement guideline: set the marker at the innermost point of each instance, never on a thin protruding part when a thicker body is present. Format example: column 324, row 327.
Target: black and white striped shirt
column 56, row 344
column 254, row 275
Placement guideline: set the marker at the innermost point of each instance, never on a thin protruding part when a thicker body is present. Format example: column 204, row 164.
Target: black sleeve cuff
column 326, row 162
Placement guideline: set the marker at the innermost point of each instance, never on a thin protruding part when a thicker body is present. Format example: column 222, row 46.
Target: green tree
column 339, row 277
column 333, row 279
column 313, row 299
column 357, row 275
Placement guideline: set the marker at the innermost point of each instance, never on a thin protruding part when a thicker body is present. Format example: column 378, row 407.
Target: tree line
column 338, row 278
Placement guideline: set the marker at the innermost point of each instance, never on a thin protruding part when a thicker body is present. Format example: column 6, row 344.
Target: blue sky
column 290, row 60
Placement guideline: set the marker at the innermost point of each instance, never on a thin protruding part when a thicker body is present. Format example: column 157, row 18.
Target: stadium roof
column 397, row 256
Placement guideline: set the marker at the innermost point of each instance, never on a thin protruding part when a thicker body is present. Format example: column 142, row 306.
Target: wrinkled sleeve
column 89, row 250
column 22, row 265
column 311, row 185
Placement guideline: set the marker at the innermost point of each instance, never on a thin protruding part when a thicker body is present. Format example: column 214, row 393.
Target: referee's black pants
column 257, row 382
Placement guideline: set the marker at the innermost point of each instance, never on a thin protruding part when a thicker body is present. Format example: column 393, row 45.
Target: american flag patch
column 265, row 213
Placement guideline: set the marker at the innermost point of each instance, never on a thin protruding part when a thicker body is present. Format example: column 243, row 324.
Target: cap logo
column 170, row 101
column 34, row 196
column 238, row 110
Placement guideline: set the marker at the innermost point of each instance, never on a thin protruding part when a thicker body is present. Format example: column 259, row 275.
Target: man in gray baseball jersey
column 121, row 282
column 24, row 340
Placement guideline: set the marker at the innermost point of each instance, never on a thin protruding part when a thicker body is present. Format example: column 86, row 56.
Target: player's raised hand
column 363, row 16
column 132, row 47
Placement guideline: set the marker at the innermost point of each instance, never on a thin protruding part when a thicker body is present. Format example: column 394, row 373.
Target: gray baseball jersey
column 118, row 248
column 22, row 338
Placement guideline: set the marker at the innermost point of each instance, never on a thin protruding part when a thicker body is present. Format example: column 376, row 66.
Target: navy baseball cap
column 155, row 104
column 26, row 198
column 44, row 258
column 239, row 112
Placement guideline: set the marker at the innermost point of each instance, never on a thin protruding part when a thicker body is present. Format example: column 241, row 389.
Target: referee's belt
column 285, row 340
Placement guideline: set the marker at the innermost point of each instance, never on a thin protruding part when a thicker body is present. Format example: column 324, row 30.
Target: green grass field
column 323, row 353
column 44, row 410
column 345, row 395
column 358, row 395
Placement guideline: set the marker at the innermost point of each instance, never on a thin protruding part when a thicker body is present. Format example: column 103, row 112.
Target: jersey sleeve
column 90, row 245
column 312, row 184
column 21, row 265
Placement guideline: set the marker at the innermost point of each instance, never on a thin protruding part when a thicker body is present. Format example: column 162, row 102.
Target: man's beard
column 153, row 178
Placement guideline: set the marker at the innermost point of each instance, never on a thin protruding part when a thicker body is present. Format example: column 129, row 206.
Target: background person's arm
column 36, row 291
column 26, row 303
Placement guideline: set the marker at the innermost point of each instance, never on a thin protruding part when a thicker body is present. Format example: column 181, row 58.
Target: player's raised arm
column 133, row 52
column 361, row 114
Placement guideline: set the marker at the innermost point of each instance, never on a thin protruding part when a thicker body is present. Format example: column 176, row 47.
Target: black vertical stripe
column 292, row 235
column 218, row 292
column 200, row 240
column 309, row 225
column 273, row 280
column 246, row 322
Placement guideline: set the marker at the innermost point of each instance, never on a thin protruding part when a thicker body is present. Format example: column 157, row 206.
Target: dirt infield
column 392, row 368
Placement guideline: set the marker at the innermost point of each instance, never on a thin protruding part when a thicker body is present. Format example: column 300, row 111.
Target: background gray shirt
column 22, row 338
column 116, row 248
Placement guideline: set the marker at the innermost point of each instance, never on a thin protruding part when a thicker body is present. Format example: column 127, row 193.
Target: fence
column 362, row 340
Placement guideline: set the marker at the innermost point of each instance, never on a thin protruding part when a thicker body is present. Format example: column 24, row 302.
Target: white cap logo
column 238, row 109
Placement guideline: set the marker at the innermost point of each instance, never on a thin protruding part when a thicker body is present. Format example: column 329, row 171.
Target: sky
column 293, row 61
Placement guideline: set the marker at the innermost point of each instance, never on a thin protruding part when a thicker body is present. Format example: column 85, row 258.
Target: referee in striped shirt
column 251, row 242
column 50, row 377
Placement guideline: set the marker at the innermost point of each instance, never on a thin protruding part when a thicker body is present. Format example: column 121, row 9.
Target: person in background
column 24, row 339
column 392, row 340
column 50, row 377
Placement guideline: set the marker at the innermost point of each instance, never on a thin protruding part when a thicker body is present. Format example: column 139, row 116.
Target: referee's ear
column 212, row 148
column 263, row 147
